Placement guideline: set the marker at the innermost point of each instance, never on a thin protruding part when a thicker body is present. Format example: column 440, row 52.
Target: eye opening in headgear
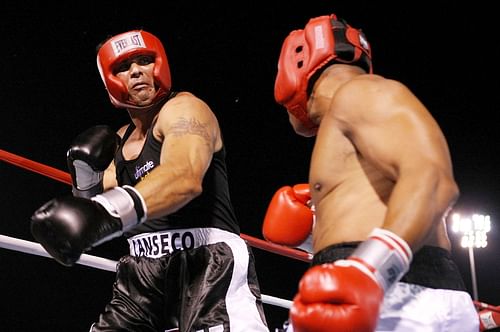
column 140, row 59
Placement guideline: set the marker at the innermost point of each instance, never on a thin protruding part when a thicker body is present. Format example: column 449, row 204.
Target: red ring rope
column 35, row 167
column 254, row 242
column 64, row 177
column 482, row 305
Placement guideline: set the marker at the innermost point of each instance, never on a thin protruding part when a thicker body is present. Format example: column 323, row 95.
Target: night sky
column 227, row 55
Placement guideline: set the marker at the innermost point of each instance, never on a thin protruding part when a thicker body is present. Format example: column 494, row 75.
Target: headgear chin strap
column 126, row 45
column 324, row 40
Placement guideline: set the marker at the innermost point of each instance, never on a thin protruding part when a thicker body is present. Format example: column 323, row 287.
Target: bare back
column 376, row 155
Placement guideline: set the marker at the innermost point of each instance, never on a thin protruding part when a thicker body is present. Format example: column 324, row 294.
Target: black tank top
column 213, row 208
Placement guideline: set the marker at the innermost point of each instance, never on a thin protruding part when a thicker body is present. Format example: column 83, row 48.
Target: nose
column 135, row 70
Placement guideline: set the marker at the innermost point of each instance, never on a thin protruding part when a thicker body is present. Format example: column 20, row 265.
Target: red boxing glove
column 489, row 319
column 289, row 219
column 346, row 295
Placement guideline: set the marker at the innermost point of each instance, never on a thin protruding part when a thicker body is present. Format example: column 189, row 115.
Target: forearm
column 418, row 202
column 109, row 180
column 166, row 191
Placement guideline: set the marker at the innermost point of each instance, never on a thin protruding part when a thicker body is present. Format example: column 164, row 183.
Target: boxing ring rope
column 64, row 177
column 101, row 263
column 35, row 167
column 33, row 248
column 481, row 305
column 110, row 265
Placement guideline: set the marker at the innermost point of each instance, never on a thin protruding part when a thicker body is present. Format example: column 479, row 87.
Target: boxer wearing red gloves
column 289, row 218
column 489, row 318
column 381, row 182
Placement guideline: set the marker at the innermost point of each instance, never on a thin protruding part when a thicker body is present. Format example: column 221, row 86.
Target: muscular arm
column 393, row 131
column 190, row 135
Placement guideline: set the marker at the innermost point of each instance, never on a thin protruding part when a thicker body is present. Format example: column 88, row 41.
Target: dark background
column 448, row 54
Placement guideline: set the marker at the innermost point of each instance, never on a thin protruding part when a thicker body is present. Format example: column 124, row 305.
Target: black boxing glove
column 68, row 226
column 88, row 157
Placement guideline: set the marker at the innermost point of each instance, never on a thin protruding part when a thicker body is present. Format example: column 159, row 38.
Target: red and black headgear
column 323, row 41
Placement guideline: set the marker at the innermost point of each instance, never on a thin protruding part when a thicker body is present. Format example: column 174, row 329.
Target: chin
column 305, row 131
column 143, row 102
column 309, row 133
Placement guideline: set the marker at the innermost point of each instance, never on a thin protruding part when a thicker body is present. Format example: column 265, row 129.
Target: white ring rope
column 33, row 248
column 110, row 265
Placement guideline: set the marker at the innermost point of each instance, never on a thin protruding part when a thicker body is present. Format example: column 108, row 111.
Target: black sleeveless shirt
column 213, row 208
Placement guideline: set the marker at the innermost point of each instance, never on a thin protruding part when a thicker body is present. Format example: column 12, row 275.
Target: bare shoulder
column 185, row 105
column 188, row 102
column 370, row 86
column 122, row 130
column 186, row 109
column 369, row 94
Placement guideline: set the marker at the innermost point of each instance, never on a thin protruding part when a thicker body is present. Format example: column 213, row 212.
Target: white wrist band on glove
column 387, row 255
column 120, row 204
column 487, row 319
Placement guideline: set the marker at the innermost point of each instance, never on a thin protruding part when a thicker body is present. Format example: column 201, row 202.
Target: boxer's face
column 137, row 74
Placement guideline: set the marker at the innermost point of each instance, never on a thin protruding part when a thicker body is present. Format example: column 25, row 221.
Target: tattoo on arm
column 190, row 126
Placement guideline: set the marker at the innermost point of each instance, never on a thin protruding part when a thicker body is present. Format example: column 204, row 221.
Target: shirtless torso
column 372, row 151
column 381, row 183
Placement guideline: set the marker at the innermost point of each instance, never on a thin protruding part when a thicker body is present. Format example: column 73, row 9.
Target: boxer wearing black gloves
column 88, row 157
column 167, row 192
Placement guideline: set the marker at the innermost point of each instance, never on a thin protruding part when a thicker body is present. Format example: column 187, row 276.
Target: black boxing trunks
column 431, row 266
column 194, row 285
column 431, row 296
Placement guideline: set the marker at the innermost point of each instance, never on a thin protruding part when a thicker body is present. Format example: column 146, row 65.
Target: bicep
column 186, row 152
column 189, row 134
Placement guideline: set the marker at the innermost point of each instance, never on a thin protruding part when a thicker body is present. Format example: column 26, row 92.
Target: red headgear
column 126, row 45
column 323, row 41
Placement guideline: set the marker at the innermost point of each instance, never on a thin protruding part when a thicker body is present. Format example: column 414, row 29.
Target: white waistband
column 161, row 243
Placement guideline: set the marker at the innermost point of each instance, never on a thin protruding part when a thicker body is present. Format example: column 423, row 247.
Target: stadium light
column 473, row 229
